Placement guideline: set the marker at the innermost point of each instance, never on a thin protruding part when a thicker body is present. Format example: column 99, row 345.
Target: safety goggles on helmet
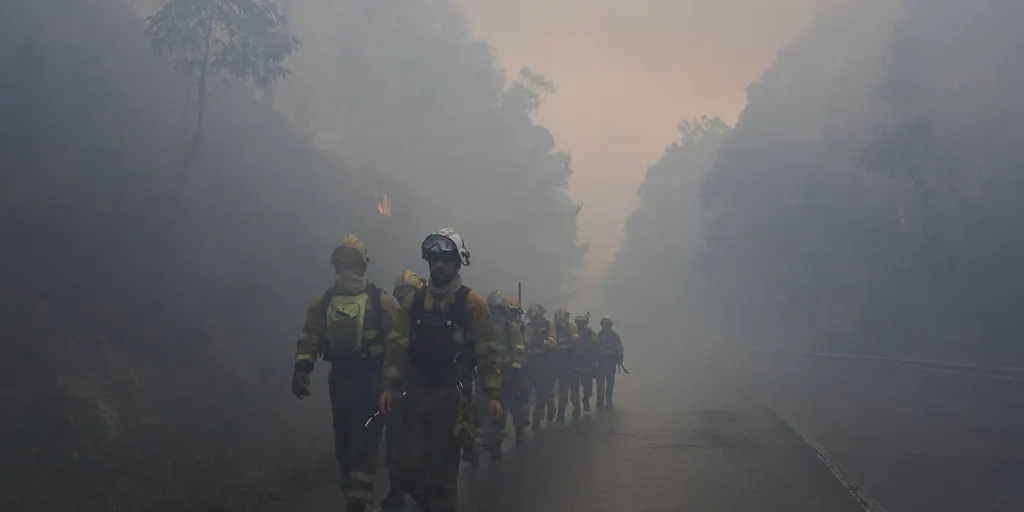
column 439, row 247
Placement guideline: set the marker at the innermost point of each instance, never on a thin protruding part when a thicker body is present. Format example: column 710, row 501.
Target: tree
column 422, row 100
column 243, row 40
column 663, row 236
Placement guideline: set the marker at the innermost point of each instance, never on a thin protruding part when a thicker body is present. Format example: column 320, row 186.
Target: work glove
column 300, row 385
column 387, row 402
column 495, row 409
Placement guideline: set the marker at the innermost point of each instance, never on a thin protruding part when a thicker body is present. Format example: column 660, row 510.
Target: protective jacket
column 437, row 340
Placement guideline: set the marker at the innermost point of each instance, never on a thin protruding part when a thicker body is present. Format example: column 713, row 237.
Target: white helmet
column 445, row 241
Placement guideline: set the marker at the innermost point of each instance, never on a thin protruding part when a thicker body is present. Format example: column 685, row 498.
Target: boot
column 560, row 419
column 575, row 412
column 355, row 506
column 551, row 412
column 394, row 502
column 600, row 405
column 536, row 420
column 471, row 454
column 495, row 452
column 520, row 437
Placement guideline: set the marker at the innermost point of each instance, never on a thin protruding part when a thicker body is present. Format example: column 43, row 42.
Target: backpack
column 346, row 317
column 563, row 336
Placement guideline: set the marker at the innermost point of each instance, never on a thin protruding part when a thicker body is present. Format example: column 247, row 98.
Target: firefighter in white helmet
column 443, row 331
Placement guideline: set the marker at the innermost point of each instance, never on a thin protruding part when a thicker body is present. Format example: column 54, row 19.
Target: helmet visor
column 439, row 247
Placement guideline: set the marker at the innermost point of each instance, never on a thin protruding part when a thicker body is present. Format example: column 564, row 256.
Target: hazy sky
column 626, row 73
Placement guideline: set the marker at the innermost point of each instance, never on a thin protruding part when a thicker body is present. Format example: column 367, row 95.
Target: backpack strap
column 463, row 316
column 416, row 313
column 325, row 302
column 375, row 303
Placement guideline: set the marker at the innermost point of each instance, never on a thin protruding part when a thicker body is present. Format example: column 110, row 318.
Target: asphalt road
column 914, row 438
column 684, row 442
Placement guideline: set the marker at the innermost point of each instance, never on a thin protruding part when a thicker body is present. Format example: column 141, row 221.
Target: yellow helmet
column 536, row 311
column 497, row 300
column 407, row 283
column 409, row 278
column 583, row 319
column 515, row 305
column 562, row 315
column 349, row 250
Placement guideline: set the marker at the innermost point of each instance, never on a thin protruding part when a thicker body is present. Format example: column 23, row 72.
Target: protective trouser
column 605, row 381
column 392, row 449
column 430, row 455
column 542, row 381
column 586, row 374
column 568, row 387
column 516, row 402
column 355, row 390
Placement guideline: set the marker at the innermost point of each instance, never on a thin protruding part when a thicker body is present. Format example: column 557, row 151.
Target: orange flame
column 384, row 204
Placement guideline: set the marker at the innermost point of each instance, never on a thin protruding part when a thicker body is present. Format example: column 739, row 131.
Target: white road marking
column 859, row 493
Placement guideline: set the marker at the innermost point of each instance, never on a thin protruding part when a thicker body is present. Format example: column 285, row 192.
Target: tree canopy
column 867, row 197
column 413, row 95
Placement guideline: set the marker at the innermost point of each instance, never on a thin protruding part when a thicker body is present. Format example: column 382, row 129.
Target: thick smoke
column 865, row 200
column 402, row 88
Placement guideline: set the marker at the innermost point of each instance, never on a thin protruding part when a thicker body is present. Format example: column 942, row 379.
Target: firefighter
column 512, row 356
column 348, row 326
column 587, row 363
column 609, row 356
column 405, row 284
column 564, row 359
column 442, row 331
column 540, row 336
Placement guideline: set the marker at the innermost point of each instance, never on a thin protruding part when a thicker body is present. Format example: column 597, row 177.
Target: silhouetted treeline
column 869, row 196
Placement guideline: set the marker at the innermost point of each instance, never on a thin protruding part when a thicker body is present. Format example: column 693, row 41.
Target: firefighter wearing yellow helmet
column 443, row 331
column 515, row 308
column 348, row 326
column 609, row 357
column 564, row 359
column 587, row 363
column 540, row 344
column 512, row 355
column 405, row 285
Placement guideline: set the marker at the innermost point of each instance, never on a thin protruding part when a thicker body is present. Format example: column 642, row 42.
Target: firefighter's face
column 443, row 270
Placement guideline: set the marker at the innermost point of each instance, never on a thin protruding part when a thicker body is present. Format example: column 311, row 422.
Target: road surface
column 915, row 438
column 685, row 442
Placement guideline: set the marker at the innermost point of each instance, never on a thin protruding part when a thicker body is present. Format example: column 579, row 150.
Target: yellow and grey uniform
column 354, row 384
column 437, row 340
column 540, row 342
column 587, row 364
column 514, row 383
column 564, row 360
column 405, row 285
column 609, row 355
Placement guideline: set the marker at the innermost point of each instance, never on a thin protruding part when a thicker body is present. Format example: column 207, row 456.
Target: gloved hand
column 300, row 385
column 495, row 408
column 387, row 402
